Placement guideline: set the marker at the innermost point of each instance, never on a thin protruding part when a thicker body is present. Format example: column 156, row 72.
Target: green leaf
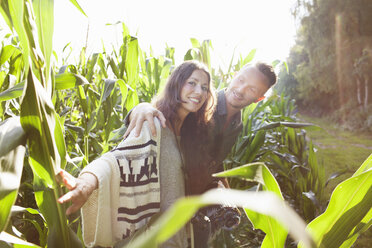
column 5, row 12
column 250, row 56
column 64, row 81
column 59, row 235
column 275, row 63
column 36, row 107
column 258, row 172
column 74, row 2
column 123, row 91
column 265, row 203
column 195, row 43
column 44, row 18
column 206, row 53
column 132, row 100
column 131, row 63
column 12, row 152
column 17, row 242
column 114, row 67
column 102, row 65
column 83, row 100
column 367, row 164
column 16, row 10
column 349, row 206
column 7, row 52
column 46, row 156
column 107, row 90
column 254, row 147
column 92, row 62
column 188, row 55
column 286, row 66
column 286, row 124
column 69, row 80
column 12, row 93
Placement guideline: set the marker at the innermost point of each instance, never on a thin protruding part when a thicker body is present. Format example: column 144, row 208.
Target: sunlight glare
column 242, row 25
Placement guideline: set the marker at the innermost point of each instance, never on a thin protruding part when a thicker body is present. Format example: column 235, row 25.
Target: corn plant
column 349, row 212
column 40, row 123
column 200, row 52
column 125, row 65
column 154, row 76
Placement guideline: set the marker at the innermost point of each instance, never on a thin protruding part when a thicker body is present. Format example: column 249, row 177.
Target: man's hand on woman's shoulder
column 141, row 113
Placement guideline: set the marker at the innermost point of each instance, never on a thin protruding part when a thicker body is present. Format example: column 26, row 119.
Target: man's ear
column 260, row 99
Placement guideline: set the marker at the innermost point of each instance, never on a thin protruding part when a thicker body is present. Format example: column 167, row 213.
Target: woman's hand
column 144, row 112
column 80, row 189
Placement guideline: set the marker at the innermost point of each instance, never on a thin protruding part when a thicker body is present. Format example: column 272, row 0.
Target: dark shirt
column 224, row 138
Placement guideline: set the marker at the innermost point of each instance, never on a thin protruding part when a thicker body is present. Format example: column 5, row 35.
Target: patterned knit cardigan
column 129, row 189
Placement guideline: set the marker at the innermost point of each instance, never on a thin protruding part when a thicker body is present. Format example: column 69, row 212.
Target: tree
column 331, row 36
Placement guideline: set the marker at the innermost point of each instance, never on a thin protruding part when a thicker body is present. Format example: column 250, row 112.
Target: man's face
column 248, row 85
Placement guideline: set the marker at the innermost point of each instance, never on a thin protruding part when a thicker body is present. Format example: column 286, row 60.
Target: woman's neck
column 181, row 116
column 176, row 126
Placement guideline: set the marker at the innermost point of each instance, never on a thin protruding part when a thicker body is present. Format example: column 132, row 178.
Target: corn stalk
column 33, row 23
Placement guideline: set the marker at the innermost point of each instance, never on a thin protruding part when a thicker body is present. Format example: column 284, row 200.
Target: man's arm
column 143, row 112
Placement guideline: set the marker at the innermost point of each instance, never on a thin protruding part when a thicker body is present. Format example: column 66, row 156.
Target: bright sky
column 242, row 24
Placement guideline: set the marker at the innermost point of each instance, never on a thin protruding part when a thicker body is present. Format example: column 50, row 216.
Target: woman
column 143, row 175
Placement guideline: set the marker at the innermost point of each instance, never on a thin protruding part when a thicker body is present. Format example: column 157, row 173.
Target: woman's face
column 193, row 93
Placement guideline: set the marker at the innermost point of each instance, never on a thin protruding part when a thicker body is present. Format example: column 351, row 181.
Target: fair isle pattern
column 139, row 185
column 128, row 193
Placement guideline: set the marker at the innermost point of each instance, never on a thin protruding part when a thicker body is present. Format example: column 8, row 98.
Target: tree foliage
column 332, row 52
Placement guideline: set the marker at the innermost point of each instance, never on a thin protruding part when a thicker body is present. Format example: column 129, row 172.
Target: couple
column 154, row 166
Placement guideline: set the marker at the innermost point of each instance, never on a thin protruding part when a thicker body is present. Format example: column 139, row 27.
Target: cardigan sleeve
column 98, row 213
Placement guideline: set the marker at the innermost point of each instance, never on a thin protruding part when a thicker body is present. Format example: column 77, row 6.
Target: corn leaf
column 367, row 164
column 114, row 67
column 206, row 53
column 7, row 52
column 286, row 124
column 15, row 241
column 5, row 12
column 195, row 43
column 76, row 4
column 250, row 56
column 131, row 62
column 348, row 212
column 44, row 18
column 47, row 154
column 265, row 203
column 63, row 81
column 12, row 152
column 69, row 80
column 258, row 172
column 250, row 152
column 90, row 66
column 132, row 100
column 16, row 10
column 14, row 92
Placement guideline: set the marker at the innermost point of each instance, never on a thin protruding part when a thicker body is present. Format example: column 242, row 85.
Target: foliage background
column 330, row 64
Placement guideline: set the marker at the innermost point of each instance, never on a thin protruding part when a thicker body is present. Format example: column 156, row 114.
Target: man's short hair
column 268, row 71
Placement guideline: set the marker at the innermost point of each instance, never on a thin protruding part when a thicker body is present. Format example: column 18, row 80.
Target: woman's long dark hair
column 194, row 130
column 170, row 100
